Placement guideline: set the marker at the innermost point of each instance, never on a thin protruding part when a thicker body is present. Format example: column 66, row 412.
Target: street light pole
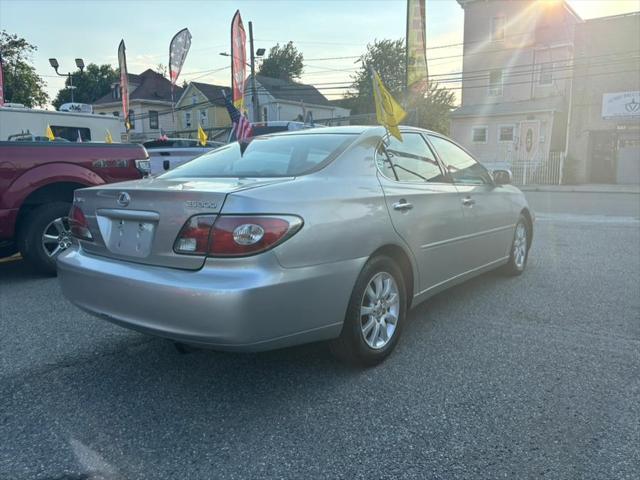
column 71, row 87
column 254, row 92
column 79, row 63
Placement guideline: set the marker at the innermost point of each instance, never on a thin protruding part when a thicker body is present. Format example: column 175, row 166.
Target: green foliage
column 93, row 83
column 388, row 58
column 284, row 62
column 21, row 82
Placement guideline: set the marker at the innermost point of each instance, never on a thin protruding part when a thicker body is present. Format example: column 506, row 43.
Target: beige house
column 150, row 104
column 516, row 79
column 604, row 126
column 202, row 104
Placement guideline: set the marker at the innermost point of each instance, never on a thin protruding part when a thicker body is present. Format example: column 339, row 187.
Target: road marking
column 596, row 219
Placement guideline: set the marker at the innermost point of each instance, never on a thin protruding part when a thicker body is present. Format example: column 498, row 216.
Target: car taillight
column 235, row 236
column 143, row 166
column 194, row 236
column 78, row 225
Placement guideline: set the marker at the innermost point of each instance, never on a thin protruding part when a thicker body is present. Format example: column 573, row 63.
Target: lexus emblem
column 123, row 199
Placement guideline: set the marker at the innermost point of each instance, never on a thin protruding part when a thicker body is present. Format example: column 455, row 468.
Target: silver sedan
column 327, row 234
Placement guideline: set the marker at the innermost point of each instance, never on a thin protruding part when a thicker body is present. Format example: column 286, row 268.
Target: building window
column 495, row 83
column 116, row 92
column 546, row 74
column 204, row 117
column 153, row 120
column 116, row 114
column 132, row 120
column 505, row 133
column 194, row 99
column 497, row 28
column 264, row 114
column 187, row 119
column 479, row 134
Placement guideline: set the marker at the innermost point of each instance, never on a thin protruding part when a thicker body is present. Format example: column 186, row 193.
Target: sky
column 92, row 30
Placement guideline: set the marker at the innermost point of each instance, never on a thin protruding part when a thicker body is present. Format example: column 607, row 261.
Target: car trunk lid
column 139, row 221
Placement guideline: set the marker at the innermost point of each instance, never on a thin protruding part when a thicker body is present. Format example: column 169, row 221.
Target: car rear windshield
column 270, row 156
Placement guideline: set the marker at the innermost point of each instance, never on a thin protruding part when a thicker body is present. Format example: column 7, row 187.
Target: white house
column 150, row 105
column 287, row 100
column 516, row 79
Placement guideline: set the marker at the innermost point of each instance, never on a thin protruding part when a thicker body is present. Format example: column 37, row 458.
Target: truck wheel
column 44, row 234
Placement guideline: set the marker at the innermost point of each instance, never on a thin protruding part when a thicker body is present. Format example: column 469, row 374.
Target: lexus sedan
column 324, row 234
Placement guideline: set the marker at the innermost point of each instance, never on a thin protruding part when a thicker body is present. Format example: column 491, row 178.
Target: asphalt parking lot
column 528, row 377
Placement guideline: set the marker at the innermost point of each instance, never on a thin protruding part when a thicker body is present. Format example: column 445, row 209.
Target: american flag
column 241, row 126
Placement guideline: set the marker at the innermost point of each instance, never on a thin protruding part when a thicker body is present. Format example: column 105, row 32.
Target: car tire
column 519, row 253
column 361, row 342
column 31, row 234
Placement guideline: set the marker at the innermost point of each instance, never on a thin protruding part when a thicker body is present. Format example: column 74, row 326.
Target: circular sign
column 528, row 141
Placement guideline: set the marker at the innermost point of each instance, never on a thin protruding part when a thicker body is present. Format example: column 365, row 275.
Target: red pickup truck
column 37, row 180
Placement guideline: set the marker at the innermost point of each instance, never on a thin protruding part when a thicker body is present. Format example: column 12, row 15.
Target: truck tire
column 7, row 249
column 41, row 252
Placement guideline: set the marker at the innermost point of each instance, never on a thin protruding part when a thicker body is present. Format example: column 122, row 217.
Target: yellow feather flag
column 49, row 133
column 202, row 136
column 389, row 113
column 108, row 138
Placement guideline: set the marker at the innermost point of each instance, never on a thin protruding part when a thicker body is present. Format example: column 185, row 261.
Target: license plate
column 132, row 238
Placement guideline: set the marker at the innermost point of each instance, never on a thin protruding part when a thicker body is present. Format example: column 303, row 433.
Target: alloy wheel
column 56, row 237
column 379, row 310
column 520, row 246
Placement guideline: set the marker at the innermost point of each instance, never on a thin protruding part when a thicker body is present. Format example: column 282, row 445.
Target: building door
column 628, row 158
column 602, row 157
column 527, row 154
column 528, row 141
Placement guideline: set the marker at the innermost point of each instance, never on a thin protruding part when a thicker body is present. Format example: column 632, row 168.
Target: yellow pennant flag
column 202, row 136
column 49, row 133
column 108, row 138
column 389, row 113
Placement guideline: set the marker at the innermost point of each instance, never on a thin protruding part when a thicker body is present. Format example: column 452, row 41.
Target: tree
column 388, row 58
column 284, row 62
column 161, row 69
column 94, row 82
column 21, row 82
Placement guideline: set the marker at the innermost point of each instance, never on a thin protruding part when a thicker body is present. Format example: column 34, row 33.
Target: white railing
column 541, row 170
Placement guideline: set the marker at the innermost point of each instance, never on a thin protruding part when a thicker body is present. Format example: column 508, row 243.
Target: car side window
column 409, row 160
column 462, row 167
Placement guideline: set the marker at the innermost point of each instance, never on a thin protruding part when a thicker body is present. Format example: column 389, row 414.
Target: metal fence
column 541, row 170
column 545, row 170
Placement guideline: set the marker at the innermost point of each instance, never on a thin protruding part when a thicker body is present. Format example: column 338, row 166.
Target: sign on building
column 621, row 105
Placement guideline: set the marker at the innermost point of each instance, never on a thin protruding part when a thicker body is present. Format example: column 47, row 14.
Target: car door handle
column 402, row 205
column 468, row 202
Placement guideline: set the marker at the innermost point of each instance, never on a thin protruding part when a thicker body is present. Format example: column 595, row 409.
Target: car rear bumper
column 248, row 304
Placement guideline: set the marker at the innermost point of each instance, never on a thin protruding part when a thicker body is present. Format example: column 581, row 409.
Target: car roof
column 351, row 129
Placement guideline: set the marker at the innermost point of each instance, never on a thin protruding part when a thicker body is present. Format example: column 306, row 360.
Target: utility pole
column 254, row 92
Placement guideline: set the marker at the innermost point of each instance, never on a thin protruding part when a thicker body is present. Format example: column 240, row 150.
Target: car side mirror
column 502, row 177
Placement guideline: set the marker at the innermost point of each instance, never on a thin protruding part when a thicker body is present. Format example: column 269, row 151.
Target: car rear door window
column 462, row 167
column 409, row 160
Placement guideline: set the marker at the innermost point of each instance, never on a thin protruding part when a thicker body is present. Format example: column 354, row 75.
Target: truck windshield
column 269, row 156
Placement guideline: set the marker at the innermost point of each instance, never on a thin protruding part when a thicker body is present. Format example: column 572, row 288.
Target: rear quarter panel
column 342, row 206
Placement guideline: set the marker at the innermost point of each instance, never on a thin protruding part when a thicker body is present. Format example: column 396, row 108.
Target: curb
column 619, row 189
